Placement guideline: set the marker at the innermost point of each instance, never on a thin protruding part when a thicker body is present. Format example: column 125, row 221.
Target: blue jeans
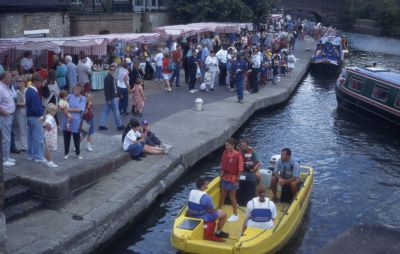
column 239, row 87
column 35, row 138
column 159, row 72
column 6, row 126
column 123, row 100
column 176, row 74
column 135, row 149
column 110, row 105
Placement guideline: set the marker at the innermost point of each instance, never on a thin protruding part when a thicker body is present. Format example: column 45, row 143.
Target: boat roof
column 380, row 73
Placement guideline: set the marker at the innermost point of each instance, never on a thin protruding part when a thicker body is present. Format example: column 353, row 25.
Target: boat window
column 380, row 93
column 397, row 102
column 356, row 84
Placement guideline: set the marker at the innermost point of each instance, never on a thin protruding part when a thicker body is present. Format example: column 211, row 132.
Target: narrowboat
column 373, row 91
column 329, row 53
column 188, row 233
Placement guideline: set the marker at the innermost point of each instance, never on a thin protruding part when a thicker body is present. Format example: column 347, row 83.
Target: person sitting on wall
column 251, row 162
column 260, row 212
column 200, row 205
column 286, row 173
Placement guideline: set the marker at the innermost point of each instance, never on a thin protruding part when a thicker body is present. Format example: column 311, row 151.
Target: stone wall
column 82, row 24
column 14, row 24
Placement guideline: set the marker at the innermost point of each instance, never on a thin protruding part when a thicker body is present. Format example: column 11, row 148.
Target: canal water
column 357, row 166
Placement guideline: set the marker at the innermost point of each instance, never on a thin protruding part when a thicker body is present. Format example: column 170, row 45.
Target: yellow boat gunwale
column 254, row 240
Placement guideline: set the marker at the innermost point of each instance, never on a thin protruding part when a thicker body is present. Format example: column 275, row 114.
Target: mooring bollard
column 198, row 103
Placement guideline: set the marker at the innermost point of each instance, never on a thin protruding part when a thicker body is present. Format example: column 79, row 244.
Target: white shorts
column 166, row 76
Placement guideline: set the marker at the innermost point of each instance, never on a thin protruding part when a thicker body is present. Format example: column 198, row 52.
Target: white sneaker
column 66, row 157
column 12, row 160
column 192, row 91
column 8, row 164
column 233, row 218
column 41, row 161
column 51, row 164
column 89, row 147
column 80, row 157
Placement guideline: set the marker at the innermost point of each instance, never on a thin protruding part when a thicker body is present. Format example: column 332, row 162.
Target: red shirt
column 231, row 165
column 43, row 73
column 165, row 63
column 176, row 56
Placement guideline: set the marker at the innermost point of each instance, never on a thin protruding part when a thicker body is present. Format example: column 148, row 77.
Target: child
column 50, row 133
column 64, row 107
column 138, row 97
column 88, row 119
column 207, row 79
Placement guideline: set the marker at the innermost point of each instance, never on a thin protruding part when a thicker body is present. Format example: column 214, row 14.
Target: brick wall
column 82, row 24
column 14, row 24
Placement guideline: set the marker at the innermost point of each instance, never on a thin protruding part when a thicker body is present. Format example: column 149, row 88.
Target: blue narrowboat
column 371, row 90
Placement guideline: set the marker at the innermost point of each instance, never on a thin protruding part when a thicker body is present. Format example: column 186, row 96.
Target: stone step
column 16, row 194
column 10, row 181
column 20, row 210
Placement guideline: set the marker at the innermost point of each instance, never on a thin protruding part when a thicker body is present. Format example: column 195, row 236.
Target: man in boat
column 200, row 205
column 286, row 173
column 251, row 161
column 260, row 212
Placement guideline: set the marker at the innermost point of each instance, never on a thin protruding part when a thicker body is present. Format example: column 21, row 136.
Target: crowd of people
column 242, row 62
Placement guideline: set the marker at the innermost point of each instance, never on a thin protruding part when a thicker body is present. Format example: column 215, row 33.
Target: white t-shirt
column 131, row 137
column 26, row 63
column 49, row 119
column 158, row 58
column 262, row 225
column 122, row 72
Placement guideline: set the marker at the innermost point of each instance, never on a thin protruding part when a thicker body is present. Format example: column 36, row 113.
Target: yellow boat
column 187, row 233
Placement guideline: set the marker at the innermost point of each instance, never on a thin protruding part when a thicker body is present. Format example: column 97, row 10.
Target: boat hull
column 253, row 240
column 362, row 108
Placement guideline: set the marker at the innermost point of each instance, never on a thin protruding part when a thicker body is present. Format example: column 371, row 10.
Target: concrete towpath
column 96, row 214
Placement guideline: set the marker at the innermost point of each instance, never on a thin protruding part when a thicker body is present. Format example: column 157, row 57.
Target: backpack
column 126, row 130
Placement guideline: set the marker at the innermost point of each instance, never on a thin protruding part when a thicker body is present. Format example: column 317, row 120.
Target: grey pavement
column 117, row 198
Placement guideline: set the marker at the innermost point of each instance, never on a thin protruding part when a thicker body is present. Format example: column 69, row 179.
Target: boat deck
column 235, row 228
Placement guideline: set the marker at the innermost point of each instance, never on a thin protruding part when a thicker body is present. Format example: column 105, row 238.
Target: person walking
column 7, row 109
column 159, row 61
column 222, row 55
column 167, row 68
column 84, row 73
column 239, row 71
column 122, row 88
column 111, row 102
column 211, row 63
column 88, row 118
column 255, row 62
column 193, row 65
column 177, row 60
column 34, row 111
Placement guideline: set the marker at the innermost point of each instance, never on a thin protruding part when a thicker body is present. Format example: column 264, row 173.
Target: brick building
column 80, row 17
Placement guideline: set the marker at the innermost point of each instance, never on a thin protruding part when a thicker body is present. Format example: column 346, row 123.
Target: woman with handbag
column 77, row 105
column 87, row 128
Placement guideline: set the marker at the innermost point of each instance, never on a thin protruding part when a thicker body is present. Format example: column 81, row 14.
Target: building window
column 356, row 84
column 380, row 93
column 154, row 3
column 397, row 102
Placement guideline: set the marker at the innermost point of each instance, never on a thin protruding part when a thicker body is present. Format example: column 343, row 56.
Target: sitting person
column 260, row 212
column 286, row 173
column 200, row 206
column 134, row 141
column 151, row 139
column 147, row 149
column 251, row 161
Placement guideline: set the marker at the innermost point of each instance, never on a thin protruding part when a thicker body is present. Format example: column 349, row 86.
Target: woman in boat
column 260, row 212
column 231, row 168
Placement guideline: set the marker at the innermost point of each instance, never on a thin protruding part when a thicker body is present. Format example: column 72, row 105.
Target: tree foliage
column 186, row 11
column 385, row 12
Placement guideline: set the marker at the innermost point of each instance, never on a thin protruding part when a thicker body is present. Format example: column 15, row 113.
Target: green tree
column 185, row 11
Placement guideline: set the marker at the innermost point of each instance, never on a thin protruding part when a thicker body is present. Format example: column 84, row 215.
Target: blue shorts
column 210, row 216
column 228, row 185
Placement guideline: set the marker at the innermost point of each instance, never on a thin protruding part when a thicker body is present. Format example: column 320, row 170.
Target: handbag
column 85, row 126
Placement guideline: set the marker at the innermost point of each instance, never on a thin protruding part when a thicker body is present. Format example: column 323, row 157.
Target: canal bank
column 95, row 215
